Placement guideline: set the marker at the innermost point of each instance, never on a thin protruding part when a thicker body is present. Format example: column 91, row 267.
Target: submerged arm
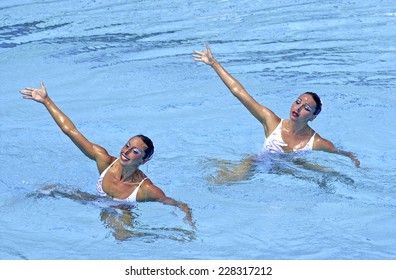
column 322, row 144
column 150, row 192
column 182, row 206
column 352, row 156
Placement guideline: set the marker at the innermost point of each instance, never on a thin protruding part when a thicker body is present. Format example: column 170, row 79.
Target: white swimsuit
column 99, row 189
column 274, row 142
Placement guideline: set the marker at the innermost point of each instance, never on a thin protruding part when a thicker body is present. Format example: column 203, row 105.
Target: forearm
column 260, row 112
column 182, row 206
column 89, row 149
column 64, row 123
column 350, row 155
column 233, row 84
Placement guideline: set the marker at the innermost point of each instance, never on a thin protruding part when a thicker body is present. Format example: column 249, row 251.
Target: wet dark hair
column 317, row 100
column 150, row 146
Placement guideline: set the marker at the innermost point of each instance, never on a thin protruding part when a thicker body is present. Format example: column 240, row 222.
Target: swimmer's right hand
column 204, row 56
column 35, row 94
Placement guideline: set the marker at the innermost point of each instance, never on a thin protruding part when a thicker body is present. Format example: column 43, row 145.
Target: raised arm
column 91, row 150
column 260, row 112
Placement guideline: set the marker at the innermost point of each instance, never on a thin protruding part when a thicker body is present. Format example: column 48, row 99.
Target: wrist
column 47, row 101
column 212, row 62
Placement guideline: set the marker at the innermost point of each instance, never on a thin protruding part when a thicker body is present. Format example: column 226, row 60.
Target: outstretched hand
column 204, row 56
column 352, row 156
column 35, row 94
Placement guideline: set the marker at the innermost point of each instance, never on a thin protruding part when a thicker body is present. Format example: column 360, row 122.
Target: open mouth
column 124, row 157
column 295, row 114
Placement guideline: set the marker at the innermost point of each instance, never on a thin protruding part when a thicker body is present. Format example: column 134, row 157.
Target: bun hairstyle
column 317, row 100
column 148, row 153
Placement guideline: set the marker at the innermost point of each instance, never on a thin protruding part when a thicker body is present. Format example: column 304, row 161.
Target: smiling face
column 303, row 108
column 133, row 152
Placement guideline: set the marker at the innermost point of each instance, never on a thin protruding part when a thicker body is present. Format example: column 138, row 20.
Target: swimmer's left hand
column 357, row 162
column 352, row 156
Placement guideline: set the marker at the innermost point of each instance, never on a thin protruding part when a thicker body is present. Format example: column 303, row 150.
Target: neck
column 128, row 171
column 296, row 127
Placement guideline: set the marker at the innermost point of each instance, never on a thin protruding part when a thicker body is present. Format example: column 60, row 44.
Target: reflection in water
column 124, row 225
column 120, row 218
column 231, row 172
column 238, row 172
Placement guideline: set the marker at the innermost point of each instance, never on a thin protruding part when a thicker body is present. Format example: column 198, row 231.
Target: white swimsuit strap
column 310, row 142
column 108, row 167
column 132, row 197
column 99, row 187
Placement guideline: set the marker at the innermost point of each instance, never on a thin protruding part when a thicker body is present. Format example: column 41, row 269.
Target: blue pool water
column 119, row 68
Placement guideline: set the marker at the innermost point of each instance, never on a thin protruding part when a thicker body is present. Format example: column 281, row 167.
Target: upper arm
column 149, row 192
column 325, row 145
column 322, row 144
column 263, row 114
column 91, row 150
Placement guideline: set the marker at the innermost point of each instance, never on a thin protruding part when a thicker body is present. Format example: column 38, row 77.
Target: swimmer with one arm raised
column 293, row 134
column 120, row 178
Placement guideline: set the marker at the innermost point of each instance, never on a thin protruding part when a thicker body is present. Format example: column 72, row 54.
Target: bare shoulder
column 102, row 158
column 149, row 192
column 323, row 144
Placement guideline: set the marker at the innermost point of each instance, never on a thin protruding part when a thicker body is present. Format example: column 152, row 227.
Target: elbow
column 68, row 130
column 236, row 89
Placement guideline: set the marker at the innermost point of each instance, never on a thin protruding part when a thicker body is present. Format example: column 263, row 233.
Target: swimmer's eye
column 127, row 145
column 136, row 151
column 298, row 101
column 308, row 108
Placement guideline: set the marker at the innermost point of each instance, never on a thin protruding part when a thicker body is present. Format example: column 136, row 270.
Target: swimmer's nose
column 299, row 108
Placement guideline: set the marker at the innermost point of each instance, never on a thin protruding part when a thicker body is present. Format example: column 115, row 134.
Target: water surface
column 122, row 68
